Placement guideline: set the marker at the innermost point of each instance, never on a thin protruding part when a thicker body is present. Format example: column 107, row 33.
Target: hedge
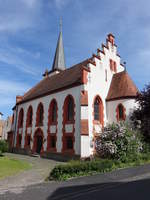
column 80, row 168
column 83, row 168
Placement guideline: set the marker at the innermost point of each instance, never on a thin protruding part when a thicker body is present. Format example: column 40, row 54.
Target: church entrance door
column 39, row 144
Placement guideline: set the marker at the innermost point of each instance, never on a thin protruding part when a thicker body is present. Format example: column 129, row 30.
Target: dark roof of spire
column 59, row 59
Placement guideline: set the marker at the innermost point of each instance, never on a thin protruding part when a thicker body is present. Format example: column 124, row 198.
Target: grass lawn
column 9, row 166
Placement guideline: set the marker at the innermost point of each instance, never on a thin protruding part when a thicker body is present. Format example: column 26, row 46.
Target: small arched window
column 29, row 116
column 70, row 109
column 21, row 118
column 40, row 113
column 121, row 114
column 97, row 109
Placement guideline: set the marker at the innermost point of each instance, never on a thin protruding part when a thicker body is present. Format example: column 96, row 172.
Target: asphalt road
column 126, row 184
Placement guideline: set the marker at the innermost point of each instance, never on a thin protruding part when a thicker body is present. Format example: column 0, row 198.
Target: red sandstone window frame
column 118, row 111
column 29, row 116
column 100, row 111
column 40, row 115
column 67, row 112
column 21, row 118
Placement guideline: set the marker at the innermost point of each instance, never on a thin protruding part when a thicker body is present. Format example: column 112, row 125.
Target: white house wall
column 129, row 105
column 60, row 97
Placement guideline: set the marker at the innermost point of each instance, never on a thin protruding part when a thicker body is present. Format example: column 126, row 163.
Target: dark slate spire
column 59, row 59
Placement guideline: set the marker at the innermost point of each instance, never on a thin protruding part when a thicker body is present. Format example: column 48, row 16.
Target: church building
column 68, row 108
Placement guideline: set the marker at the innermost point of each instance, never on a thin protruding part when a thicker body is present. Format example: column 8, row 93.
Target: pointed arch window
column 40, row 115
column 98, row 110
column 70, row 109
column 21, row 114
column 29, row 116
column 120, row 113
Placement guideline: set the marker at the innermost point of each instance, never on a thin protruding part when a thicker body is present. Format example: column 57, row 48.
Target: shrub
column 119, row 141
column 79, row 168
column 3, row 146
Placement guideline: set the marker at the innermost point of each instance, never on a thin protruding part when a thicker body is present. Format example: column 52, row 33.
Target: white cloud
column 14, row 58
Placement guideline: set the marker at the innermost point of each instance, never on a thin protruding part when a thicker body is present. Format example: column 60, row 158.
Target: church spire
column 59, row 59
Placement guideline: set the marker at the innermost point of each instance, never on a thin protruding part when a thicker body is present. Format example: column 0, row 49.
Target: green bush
column 3, row 146
column 80, row 168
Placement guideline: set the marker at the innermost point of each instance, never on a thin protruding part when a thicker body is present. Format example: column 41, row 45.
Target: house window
column 120, row 108
column 69, row 143
column 96, row 109
column 53, row 142
column 113, row 66
column 29, row 116
column 21, row 118
column 54, row 112
column 40, row 112
column 70, row 107
column 120, row 112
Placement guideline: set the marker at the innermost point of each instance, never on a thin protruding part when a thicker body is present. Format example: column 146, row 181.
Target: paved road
column 126, row 184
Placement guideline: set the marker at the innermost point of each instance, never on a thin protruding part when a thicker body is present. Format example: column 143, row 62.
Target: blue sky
column 29, row 31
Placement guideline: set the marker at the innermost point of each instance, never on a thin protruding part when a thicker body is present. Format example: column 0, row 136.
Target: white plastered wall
column 97, row 84
column 129, row 104
column 60, row 97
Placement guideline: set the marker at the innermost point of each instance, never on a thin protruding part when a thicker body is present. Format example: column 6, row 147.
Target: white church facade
column 68, row 108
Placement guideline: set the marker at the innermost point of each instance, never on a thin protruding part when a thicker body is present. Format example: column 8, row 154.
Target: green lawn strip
column 85, row 168
column 10, row 166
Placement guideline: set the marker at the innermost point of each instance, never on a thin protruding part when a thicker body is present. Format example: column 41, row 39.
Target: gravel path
column 39, row 172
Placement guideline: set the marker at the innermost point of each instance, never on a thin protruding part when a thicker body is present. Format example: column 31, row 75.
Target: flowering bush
column 119, row 141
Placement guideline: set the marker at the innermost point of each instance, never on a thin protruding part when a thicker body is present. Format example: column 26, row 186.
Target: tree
column 141, row 116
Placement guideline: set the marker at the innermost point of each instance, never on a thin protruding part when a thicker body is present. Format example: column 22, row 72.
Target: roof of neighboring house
column 63, row 80
column 121, row 87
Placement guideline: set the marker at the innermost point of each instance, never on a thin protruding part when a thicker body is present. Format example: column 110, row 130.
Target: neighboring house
column 6, row 127
column 67, row 109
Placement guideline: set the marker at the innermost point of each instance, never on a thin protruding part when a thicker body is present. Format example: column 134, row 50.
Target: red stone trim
column 96, row 56
column 39, row 132
column 38, row 115
column 84, row 98
column 117, row 113
column 91, row 62
column 65, row 122
column 84, row 127
column 49, row 134
column 84, row 76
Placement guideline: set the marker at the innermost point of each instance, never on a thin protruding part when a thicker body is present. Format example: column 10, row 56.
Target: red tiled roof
column 63, row 80
column 121, row 86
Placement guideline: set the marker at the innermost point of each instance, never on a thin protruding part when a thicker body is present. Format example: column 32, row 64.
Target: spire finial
column 60, row 24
